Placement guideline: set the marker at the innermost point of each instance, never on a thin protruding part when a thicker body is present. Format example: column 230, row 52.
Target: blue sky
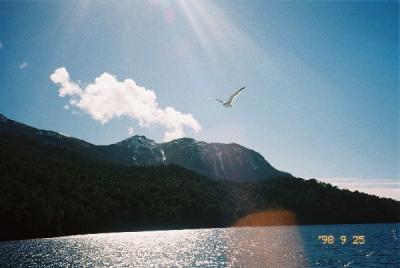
column 322, row 96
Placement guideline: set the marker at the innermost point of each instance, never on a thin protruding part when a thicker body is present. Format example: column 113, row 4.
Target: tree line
column 48, row 191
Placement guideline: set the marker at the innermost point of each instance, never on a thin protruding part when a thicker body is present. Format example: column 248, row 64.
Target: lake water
column 280, row 246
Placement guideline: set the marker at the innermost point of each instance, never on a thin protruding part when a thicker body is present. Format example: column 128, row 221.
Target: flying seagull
column 231, row 99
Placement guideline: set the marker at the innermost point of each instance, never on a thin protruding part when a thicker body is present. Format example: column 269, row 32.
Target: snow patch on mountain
column 164, row 158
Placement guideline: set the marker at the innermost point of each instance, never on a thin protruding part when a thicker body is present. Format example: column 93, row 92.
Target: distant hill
column 52, row 185
column 214, row 160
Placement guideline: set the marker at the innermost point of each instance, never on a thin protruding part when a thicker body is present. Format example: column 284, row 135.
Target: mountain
column 217, row 160
column 53, row 185
column 10, row 129
column 137, row 150
column 214, row 160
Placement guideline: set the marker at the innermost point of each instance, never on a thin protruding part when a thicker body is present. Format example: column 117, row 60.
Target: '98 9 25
column 343, row 239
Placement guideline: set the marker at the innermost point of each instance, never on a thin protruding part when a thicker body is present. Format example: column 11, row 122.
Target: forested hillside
column 47, row 190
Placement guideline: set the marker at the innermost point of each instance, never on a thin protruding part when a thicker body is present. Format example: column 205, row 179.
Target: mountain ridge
column 229, row 161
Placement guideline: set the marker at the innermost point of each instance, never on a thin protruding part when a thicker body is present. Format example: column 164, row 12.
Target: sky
column 322, row 86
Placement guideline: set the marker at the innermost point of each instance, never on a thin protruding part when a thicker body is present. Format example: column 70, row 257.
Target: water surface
column 280, row 246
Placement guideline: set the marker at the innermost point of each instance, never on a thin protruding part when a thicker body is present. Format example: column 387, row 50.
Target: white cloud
column 66, row 107
column 23, row 65
column 130, row 131
column 108, row 98
column 68, row 87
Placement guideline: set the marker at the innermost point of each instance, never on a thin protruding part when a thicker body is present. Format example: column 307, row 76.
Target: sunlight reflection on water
column 188, row 248
column 280, row 246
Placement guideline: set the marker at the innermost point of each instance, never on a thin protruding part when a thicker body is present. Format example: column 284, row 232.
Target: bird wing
column 234, row 95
